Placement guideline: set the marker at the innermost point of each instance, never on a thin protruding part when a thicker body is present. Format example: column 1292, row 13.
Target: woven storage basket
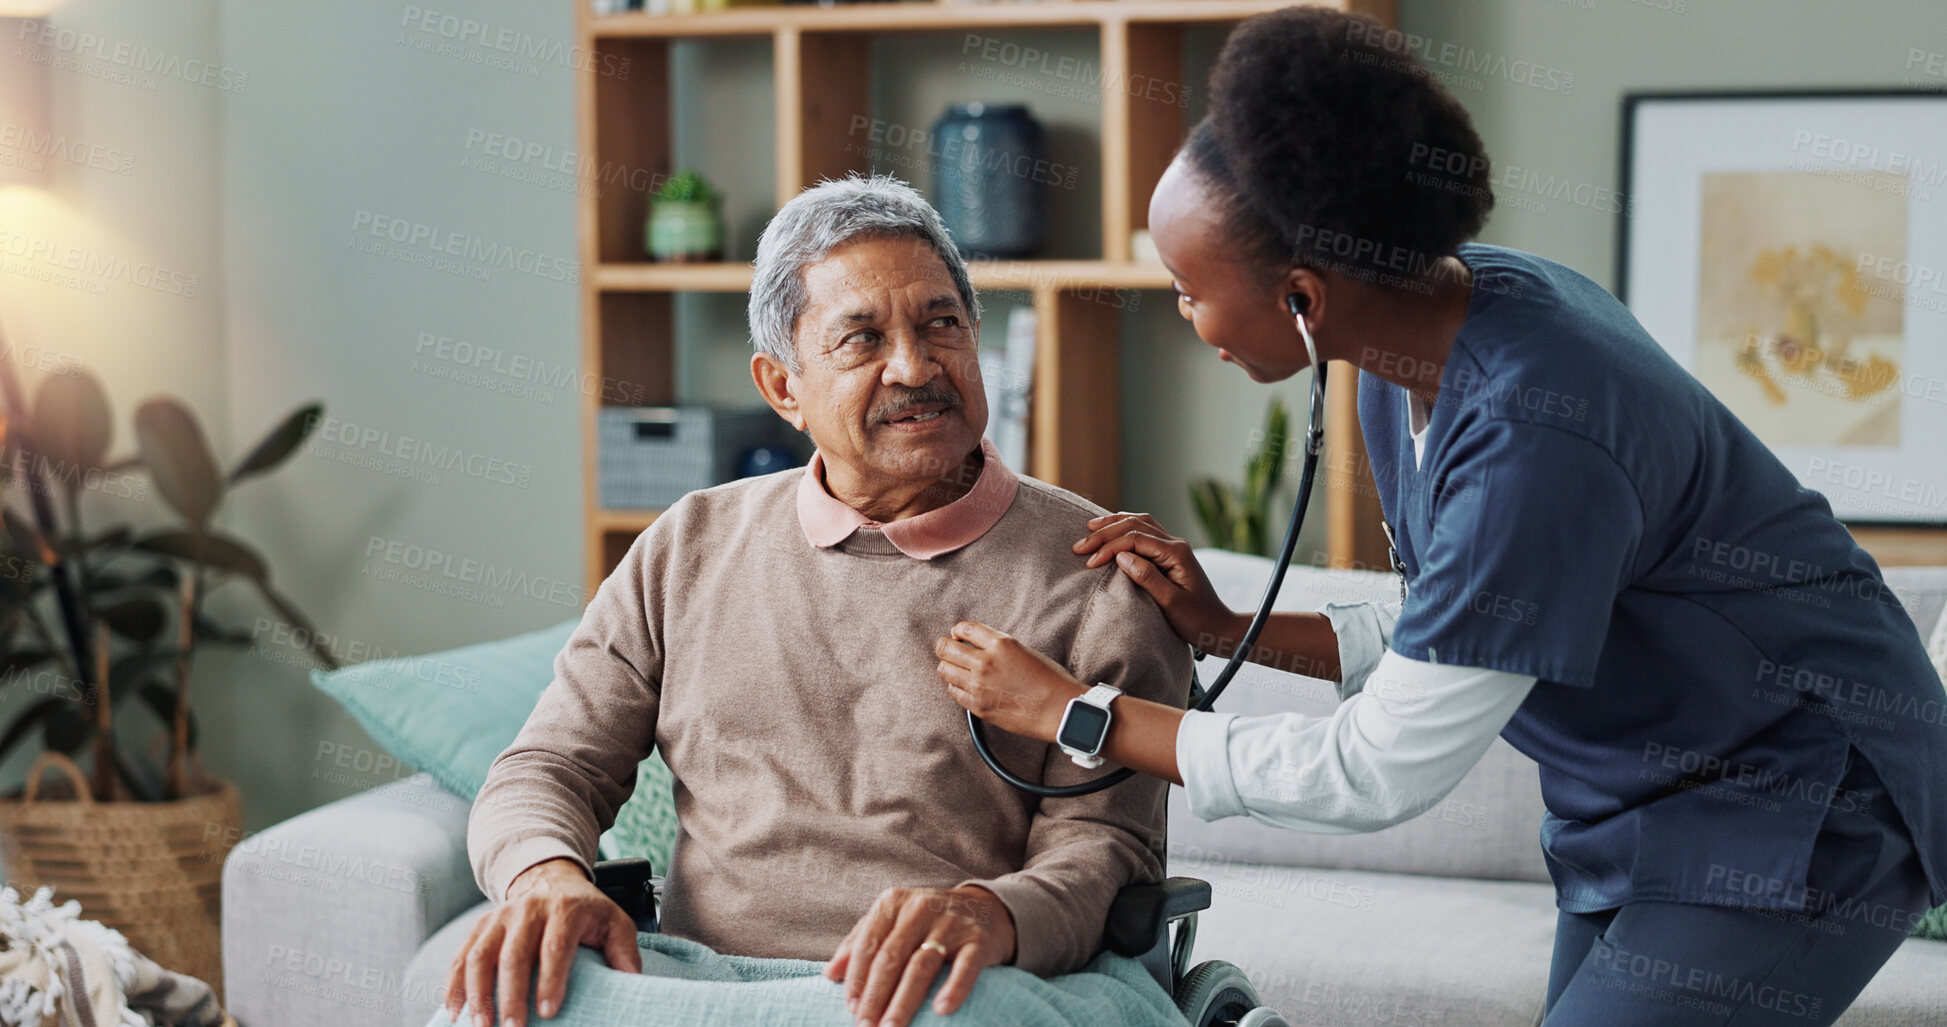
column 151, row 870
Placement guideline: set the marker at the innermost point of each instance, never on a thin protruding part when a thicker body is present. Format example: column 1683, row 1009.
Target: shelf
column 814, row 81
column 647, row 277
column 1891, row 546
column 929, row 16
column 632, row 521
column 1016, row 275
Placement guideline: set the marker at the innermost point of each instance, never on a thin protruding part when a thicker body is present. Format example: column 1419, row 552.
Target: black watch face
column 1084, row 727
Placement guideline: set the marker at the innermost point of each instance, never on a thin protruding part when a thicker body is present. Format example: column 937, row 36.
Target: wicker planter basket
column 151, row 870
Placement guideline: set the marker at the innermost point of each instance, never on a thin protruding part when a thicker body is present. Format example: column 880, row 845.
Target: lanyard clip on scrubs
column 1201, row 699
column 1392, row 554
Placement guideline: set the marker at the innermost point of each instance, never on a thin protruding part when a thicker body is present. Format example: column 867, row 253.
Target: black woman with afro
column 1746, row 794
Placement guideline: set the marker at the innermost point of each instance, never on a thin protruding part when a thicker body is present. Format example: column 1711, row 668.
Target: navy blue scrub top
column 1709, row 641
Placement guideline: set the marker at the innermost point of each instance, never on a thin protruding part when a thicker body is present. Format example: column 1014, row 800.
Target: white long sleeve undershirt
column 1404, row 733
column 1388, row 753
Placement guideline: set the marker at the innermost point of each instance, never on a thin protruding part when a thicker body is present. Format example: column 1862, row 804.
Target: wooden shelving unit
column 1902, row 547
column 822, row 71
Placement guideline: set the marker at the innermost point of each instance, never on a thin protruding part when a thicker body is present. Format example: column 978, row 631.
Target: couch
column 347, row 915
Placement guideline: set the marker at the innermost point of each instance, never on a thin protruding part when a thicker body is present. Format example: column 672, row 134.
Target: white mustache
column 948, row 400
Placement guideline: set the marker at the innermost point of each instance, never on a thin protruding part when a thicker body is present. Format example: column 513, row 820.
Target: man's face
column 888, row 378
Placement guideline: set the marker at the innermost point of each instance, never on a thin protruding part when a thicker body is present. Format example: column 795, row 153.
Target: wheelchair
column 1154, row 924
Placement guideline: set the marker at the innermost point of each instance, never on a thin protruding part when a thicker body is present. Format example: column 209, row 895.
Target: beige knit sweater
column 818, row 758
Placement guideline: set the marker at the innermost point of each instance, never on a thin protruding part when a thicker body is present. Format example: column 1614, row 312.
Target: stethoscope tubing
column 1314, row 445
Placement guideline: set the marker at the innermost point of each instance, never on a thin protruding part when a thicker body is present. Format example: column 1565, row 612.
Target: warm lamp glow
column 23, row 106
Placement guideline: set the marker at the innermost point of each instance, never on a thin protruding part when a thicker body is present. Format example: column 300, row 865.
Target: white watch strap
column 1101, row 695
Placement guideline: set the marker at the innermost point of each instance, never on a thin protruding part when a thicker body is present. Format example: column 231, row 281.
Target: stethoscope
column 1200, row 699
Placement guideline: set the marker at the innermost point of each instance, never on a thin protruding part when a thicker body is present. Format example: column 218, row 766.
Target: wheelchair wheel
column 1215, row 994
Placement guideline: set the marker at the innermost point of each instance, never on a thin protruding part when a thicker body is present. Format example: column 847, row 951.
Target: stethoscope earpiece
column 1315, row 426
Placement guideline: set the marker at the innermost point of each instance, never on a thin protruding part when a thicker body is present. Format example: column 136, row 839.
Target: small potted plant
column 686, row 221
column 1238, row 518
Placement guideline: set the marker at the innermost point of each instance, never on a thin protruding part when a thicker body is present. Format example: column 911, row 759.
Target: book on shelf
column 1008, row 377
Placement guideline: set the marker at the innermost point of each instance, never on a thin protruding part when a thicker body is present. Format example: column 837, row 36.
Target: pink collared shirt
column 827, row 521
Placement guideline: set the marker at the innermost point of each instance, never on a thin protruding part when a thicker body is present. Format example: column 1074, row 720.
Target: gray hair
column 820, row 220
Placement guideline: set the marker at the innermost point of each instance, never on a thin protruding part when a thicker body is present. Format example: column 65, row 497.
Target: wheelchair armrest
column 1137, row 917
column 630, row 883
column 1141, row 912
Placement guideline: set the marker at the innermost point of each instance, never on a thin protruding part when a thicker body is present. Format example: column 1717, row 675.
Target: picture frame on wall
column 1789, row 249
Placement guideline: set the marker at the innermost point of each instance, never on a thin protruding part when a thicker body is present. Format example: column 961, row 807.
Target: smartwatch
column 1085, row 725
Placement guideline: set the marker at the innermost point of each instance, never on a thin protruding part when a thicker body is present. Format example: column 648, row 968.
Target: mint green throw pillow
column 449, row 714
column 1933, row 925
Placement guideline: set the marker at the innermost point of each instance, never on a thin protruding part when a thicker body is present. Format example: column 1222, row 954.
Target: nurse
column 1743, row 747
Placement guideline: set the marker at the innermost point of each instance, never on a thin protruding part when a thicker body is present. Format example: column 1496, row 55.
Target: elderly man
column 775, row 639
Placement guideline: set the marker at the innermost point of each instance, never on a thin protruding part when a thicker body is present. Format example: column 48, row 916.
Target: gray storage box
column 653, row 456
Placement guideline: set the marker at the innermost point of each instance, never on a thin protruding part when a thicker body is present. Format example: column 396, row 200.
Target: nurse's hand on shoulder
column 1165, row 568
column 551, row 909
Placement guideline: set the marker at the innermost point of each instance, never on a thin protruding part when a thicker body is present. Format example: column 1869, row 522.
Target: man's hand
column 1004, row 682
column 551, row 908
column 894, row 952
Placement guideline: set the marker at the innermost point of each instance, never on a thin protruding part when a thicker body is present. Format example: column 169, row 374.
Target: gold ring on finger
column 934, row 946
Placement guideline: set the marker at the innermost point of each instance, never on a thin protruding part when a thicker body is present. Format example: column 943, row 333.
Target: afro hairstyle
column 1337, row 148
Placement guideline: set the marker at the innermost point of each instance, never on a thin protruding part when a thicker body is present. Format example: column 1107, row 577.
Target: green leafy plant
column 97, row 624
column 1238, row 518
column 688, row 187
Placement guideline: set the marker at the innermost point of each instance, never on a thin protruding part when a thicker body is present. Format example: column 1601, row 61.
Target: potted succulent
column 1237, row 518
column 98, row 632
column 685, row 221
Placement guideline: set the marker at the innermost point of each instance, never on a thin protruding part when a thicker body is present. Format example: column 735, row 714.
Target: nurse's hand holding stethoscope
column 1014, row 688
column 1003, row 681
column 1163, row 566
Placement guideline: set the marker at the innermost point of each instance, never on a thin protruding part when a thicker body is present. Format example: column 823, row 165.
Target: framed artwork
column 1790, row 250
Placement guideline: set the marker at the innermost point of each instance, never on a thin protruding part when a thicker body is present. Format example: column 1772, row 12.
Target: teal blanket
column 684, row 984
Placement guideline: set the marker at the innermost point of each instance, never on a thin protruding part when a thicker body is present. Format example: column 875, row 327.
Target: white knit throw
column 46, row 947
